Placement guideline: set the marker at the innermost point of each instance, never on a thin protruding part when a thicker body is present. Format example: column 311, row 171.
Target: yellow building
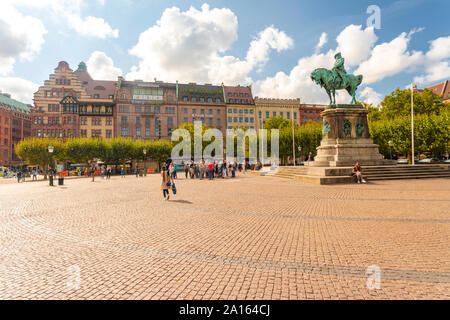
column 241, row 112
column 268, row 107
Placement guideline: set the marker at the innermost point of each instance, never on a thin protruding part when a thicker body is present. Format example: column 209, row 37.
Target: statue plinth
column 346, row 139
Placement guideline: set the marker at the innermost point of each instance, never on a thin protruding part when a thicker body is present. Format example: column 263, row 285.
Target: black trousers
column 165, row 191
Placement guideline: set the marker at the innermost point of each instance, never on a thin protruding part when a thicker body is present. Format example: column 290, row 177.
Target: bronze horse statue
column 332, row 81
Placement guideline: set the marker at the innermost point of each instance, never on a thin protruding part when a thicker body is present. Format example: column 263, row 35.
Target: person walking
column 210, row 170
column 186, row 170
column 122, row 173
column 172, row 170
column 202, row 169
column 108, row 173
column 311, row 157
column 166, row 183
column 19, row 176
column 34, row 175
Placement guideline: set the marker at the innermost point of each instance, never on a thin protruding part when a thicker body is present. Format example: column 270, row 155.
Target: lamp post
column 145, row 159
column 50, row 177
column 390, row 143
column 300, row 150
column 293, row 136
column 412, row 123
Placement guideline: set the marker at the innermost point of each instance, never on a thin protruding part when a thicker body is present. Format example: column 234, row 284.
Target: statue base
column 346, row 139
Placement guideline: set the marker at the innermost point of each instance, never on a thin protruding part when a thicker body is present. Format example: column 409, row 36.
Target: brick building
column 72, row 104
column 442, row 89
column 241, row 111
column 145, row 110
column 203, row 103
column 310, row 112
column 15, row 125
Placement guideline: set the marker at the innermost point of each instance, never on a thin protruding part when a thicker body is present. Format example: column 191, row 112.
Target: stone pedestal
column 346, row 139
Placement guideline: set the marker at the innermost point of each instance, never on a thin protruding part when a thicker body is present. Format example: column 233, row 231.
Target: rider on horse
column 339, row 69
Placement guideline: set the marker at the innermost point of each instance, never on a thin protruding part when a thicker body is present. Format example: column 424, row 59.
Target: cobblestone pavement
column 244, row 238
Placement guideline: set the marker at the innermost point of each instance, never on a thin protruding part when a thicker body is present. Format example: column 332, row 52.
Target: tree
column 398, row 103
column 35, row 152
column 85, row 150
column 120, row 151
column 160, row 151
column 276, row 123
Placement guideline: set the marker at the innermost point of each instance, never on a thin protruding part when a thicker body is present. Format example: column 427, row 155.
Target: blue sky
column 213, row 43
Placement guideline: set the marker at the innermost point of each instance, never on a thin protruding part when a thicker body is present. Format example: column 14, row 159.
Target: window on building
column 267, row 114
column 185, row 110
column 147, row 121
column 274, row 114
column 252, row 120
column 240, row 119
column 170, row 120
column 124, row 132
column 109, row 121
column 108, row 133
column 235, row 119
column 202, row 99
column 156, row 120
column 194, row 99
column 147, row 132
column 218, row 100
column 218, row 121
column 124, row 119
column 138, row 132
column 137, row 109
column 210, row 100
column 138, row 120
column 169, row 98
column 281, row 114
column 230, row 100
column 295, row 115
column 288, row 115
column 185, row 98
column 246, row 119
column 230, row 111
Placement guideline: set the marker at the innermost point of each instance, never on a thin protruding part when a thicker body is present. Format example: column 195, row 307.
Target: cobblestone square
column 244, row 238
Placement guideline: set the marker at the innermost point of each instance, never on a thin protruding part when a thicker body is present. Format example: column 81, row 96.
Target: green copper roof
column 82, row 66
column 13, row 105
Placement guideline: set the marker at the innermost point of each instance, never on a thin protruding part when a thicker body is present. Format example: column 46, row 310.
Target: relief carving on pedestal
column 347, row 127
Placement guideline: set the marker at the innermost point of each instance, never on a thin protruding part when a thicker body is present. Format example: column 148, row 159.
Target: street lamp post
column 293, row 136
column 50, row 177
column 145, row 158
column 412, row 123
column 390, row 143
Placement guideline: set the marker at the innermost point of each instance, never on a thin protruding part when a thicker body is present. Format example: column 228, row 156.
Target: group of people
column 21, row 175
column 209, row 170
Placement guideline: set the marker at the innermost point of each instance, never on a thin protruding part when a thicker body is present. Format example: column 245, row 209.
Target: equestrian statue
column 336, row 79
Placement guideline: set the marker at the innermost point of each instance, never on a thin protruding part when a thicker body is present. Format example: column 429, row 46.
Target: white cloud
column 437, row 62
column 189, row 46
column 369, row 95
column 356, row 43
column 388, row 59
column 322, row 41
column 20, row 89
column 92, row 27
column 69, row 11
column 101, row 67
column 20, row 37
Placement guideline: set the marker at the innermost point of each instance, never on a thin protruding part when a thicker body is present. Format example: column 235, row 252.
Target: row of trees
column 117, row 151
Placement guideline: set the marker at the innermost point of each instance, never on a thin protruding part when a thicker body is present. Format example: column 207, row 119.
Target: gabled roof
column 14, row 105
column 238, row 90
column 104, row 88
column 441, row 89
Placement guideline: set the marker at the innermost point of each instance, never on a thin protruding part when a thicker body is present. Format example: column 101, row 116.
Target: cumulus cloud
column 370, row 96
column 388, row 59
column 20, row 37
column 92, row 27
column 356, row 43
column 101, row 67
column 437, row 62
column 189, row 45
column 69, row 11
column 322, row 41
column 20, row 89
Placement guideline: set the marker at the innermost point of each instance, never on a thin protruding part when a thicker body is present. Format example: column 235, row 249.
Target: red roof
column 441, row 89
column 238, row 95
column 103, row 88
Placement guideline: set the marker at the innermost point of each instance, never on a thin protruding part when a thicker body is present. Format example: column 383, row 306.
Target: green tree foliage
column 276, row 123
column 431, row 133
column 85, row 150
column 34, row 151
column 398, row 104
